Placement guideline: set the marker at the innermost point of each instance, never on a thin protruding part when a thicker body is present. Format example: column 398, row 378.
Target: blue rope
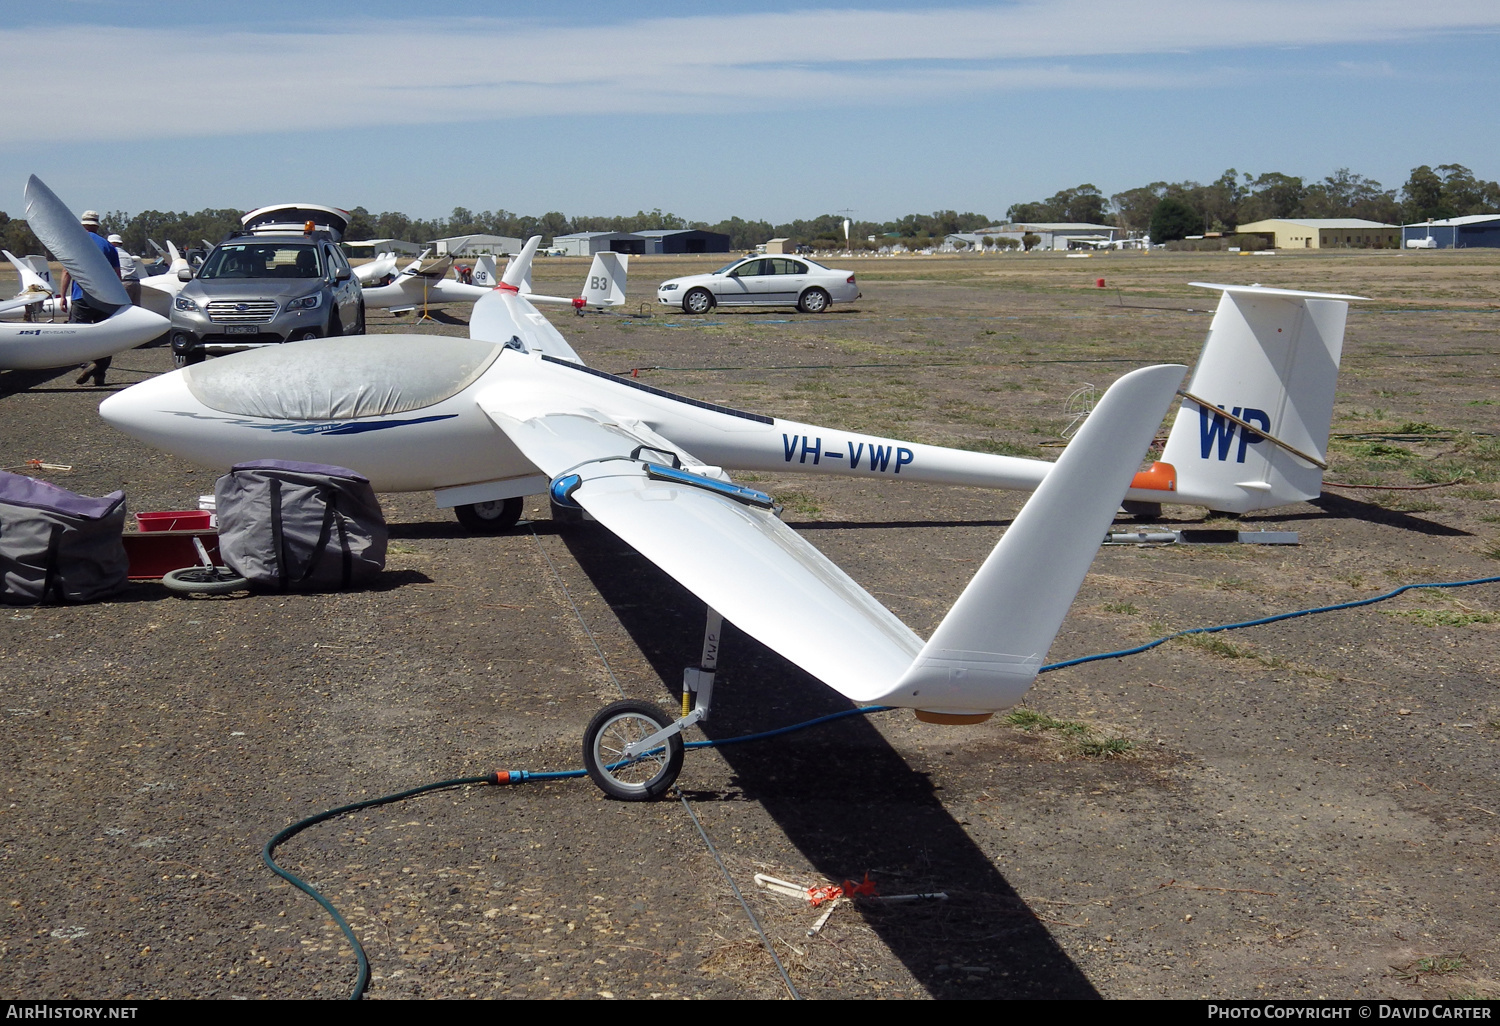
column 362, row 974
column 1120, row 653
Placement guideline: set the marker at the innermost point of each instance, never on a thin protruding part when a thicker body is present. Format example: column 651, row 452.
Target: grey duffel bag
column 57, row 545
column 300, row 526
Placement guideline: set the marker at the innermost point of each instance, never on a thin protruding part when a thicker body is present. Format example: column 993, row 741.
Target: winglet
column 984, row 655
column 54, row 224
column 518, row 271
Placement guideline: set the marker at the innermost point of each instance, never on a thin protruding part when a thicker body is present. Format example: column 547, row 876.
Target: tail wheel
column 814, row 301
column 643, row 778
column 490, row 517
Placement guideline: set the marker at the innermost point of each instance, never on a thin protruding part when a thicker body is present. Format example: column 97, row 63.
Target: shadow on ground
column 840, row 793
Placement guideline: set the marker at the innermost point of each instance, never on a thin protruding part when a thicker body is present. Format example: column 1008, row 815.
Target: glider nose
column 140, row 410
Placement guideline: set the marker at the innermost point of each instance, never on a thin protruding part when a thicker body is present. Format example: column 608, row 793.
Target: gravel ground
column 1299, row 810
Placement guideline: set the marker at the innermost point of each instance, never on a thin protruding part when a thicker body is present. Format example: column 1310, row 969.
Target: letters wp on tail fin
column 1252, row 431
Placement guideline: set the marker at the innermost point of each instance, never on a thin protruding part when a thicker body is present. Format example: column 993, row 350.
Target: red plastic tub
column 174, row 520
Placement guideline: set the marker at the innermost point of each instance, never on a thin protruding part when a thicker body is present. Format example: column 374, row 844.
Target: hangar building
column 369, row 247
column 684, row 240
column 475, row 245
column 1324, row 233
column 1056, row 235
column 1453, row 233
column 589, row 243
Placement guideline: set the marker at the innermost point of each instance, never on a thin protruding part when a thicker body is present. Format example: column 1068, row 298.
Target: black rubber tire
column 490, row 517
column 199, row 580
column 335, row 326
column 186, row 359
column 814, row 301
column 698, row 301
column 359, row 323
column 610, row 730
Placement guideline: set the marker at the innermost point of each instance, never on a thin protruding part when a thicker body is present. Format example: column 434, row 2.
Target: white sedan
column 762, row 281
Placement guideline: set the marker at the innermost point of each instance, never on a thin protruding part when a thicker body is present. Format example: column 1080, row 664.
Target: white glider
column 512, row 411
column 36, row 346
column 414, row 289
column 636, row 459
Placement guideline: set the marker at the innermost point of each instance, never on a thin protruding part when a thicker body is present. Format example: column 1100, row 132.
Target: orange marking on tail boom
column 1159, row 477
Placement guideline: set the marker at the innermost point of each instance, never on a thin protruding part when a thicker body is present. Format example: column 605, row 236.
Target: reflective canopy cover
column 311, row 380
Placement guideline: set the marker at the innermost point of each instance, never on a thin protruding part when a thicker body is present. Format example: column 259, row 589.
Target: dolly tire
column 617, row 725
column 201, row 580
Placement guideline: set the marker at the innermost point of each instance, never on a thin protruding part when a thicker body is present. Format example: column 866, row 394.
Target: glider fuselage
column 452, row 442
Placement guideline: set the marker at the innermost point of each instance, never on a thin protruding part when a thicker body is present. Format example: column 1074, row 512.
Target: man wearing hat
column 130, row 270
column 79, row 309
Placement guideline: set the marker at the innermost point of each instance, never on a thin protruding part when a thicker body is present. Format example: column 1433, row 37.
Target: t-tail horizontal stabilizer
column 984, row 655
column 1252, row 432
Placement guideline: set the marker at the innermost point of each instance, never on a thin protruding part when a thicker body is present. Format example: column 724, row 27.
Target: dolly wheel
column 645, row 777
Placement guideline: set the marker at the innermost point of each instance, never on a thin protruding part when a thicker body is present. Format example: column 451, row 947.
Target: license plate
column 241, row 329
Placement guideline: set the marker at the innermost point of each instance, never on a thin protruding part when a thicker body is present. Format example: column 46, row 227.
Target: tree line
column 1172, row 210
column 1167, row 210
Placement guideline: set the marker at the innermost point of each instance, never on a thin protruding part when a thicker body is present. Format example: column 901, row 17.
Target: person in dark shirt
column 80, row 310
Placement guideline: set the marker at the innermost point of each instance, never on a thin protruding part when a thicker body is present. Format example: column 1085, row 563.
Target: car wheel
column 359, row 322
column 186, row 359
column 698, row 301
column 813, row 301
column 335, row 329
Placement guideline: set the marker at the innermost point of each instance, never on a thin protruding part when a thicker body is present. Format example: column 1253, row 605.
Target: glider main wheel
column 490, row 517
column 813, row 301
column 203, row 580
column 697, row 301
column 647, row 776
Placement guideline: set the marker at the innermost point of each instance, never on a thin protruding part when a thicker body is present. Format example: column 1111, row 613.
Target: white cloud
column 63, row 84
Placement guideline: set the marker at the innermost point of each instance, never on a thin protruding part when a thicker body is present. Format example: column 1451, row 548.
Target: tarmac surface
column 1300, row 810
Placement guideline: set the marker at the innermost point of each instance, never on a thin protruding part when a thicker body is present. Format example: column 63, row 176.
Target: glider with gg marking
column 40, row 346
column 424, row 283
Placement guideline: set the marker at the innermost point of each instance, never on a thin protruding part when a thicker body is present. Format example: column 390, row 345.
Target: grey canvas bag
column 56, row 545
column 300, row 526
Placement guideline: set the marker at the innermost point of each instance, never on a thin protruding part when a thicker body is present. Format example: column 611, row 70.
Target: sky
column 797, row 109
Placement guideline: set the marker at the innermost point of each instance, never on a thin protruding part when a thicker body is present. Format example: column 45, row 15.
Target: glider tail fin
column 30, row 280
column 606, row 281
column 518, row 271
column 1252, row 431
column 484, row 271
column 984, row 655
